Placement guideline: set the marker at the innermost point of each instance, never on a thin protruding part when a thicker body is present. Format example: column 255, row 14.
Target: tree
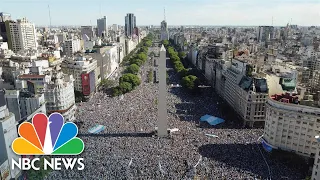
column 165, row 43
column 107, row 83
column 133, row 79
column 142, row 56
column 148, row 43
column 143, row 49
column 178, row 66
column 137, row 61
column 190, row 82
column 182, row 54
column 116, row 91
column 125, row 87
column 133, row 69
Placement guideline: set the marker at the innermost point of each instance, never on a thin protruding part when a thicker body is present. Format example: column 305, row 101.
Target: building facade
column 85, row 72
column 164, row 31
column 8, row 132
column 291, row 126
column 72, row 46
column 87, row 30
column 130, row 24
column 21, row 35
column 3, row 30
column 59, row 95
column 102, row 27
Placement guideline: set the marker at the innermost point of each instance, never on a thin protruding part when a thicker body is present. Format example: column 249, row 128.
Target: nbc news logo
column 48, row 137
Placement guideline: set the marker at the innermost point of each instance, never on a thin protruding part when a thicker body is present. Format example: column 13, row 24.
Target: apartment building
column 245, row 93
column 59, row 95
column 85, row 72
column 24, row 104
column 21, row 35
column 316, row 165
column 8, row 132
column 72, row 46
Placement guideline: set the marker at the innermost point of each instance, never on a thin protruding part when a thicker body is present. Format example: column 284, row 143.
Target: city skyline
column 178, row 12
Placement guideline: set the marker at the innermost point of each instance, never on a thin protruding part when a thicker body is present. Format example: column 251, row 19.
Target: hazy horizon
column 178, row 12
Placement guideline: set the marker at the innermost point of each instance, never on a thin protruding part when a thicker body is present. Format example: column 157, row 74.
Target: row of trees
column 188, row 80
column 130, row 79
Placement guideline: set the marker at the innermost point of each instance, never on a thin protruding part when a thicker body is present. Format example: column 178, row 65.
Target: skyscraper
column 102, row 27
column 130, row 24
column 21, row 35
column 87, row 30
column 3, row 18
column 164, row 28
column 164, row 31
column 265, row 33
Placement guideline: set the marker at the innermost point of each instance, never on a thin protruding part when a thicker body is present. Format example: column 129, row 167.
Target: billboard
column 4, row 171
column 85, row 84
column 92, row 79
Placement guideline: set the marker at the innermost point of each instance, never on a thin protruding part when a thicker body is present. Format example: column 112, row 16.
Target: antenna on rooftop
column 164, row 13
column 272, row 21
column 49, row 18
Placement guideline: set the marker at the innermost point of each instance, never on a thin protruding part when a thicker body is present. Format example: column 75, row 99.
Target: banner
column 85, row 84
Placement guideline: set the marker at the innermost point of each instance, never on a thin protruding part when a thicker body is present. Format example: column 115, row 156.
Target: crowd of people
column 188, row 153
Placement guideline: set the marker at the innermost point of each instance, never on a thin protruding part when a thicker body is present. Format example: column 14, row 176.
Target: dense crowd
column 185, row 154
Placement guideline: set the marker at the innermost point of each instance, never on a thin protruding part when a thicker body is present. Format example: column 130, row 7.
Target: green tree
column 190, row 82
column 137, row 61
column 107, row 83
column 182, row 54
column 133, row 79
column 133, row 69
column 142, row 56
column 125, row 87
column 116, row 91
column 148, row 43
column 165, row 43
column 143, row 49
column 178, row 66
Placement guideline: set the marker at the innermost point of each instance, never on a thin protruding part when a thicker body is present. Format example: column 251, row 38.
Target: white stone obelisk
column 162, row 101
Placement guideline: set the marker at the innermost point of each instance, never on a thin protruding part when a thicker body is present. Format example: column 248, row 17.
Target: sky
column 178, row 12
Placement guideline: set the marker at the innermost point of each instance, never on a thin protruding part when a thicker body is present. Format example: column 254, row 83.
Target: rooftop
column 31, row 76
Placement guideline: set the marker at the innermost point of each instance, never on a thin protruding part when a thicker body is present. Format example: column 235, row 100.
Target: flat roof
column 31, row 76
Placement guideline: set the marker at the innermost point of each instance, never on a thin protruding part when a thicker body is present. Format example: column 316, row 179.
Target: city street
column 126, row 149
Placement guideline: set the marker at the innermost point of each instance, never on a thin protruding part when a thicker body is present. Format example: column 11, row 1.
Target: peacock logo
column 48, row 137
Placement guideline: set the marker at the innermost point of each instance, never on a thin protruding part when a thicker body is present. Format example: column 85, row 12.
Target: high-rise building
column 3, row 30
column 21, row 35
column 8, row 132
column 87, row 30
column 265, row 33
column 130, row 24
column 102, row 27
column 164, row 31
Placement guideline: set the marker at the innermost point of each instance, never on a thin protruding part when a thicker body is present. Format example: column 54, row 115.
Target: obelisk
column 162, row 101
